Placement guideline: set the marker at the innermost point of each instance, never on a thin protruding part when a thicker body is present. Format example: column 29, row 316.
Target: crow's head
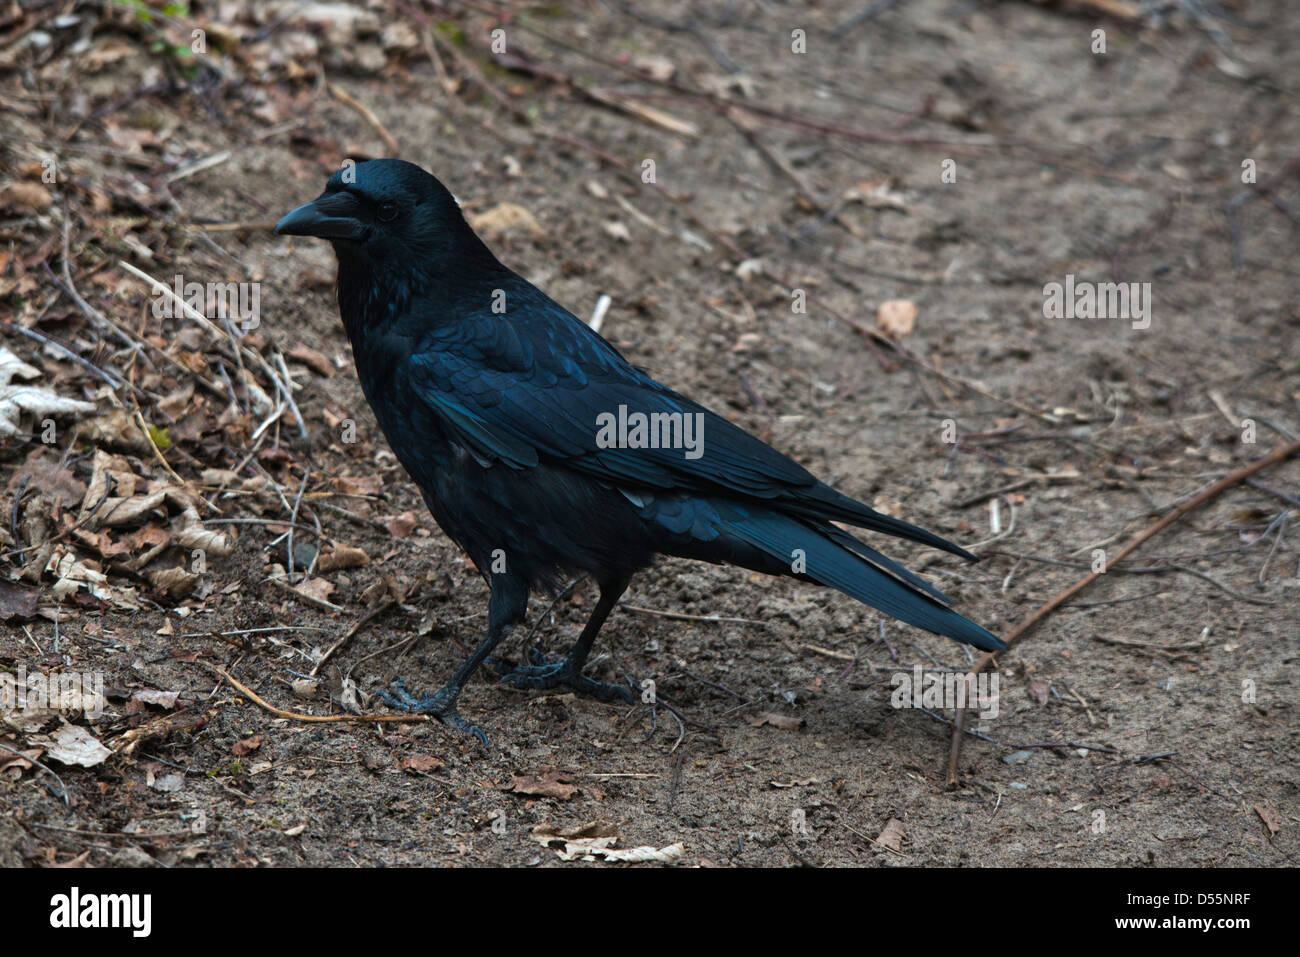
column 386, row 212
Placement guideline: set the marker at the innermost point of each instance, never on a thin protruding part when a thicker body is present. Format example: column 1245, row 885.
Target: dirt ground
column 959, row 156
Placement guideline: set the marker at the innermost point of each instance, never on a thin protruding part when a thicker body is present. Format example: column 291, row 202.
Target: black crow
column 543, row 453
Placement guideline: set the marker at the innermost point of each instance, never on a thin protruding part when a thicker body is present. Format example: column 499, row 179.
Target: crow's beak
column 330, row 216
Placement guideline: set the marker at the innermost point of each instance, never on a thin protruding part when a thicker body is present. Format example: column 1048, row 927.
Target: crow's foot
column 540, row 675
column 441, row 706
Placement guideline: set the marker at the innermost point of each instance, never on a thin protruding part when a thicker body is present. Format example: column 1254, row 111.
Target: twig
column 360, row 623
column 367, row 114
column 313, row 718
column 62, row 787
column 157, row 453
column 286, row 390
column 111, row 378
column 285, row 585
column 293, row 519
column 1280, row 454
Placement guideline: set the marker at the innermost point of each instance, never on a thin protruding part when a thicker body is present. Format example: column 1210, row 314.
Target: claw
column 541, row 675
column 441, row 706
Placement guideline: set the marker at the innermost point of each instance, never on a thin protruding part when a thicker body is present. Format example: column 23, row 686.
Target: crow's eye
column 387, row 212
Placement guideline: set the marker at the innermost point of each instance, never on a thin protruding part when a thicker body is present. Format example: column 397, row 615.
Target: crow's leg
column 569, row 671
column 506, row 608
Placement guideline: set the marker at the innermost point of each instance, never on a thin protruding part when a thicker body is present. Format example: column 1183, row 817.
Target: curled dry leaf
column 21, row 761
column 896, row 317
column 194, row 534
column 358, row 484
column 400, row 526
column 892, row 834
column 73, row 744
column 342, row 556
column 505, row 218
column 16, row 398
column 786, row 722
column 317, row 361
column 549, row 782
column 115, row 429
column 176, row 582
column 73, row 574
column 41, row 473
column 24, row 198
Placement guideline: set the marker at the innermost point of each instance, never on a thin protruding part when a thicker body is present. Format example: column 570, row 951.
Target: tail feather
column 834, row 558
column 827, row 504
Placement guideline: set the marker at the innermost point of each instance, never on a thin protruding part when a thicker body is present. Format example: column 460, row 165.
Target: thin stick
column 62, row 787
column 1278, row 455
column 367, row 114
column 360, row 623
column 313, row 718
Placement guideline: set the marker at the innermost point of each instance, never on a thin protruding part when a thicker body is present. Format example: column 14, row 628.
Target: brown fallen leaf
column 342, row 556
column 246, row 746
column 1039, row 690
column 891, row 835
column 176, row 582
column 420, row 762
column 1272, row 820
column 22, row 760
column 43, row 474
column 358, row 484
column 318, row 588
column 896, row 317
column 400, row 526
column 548, row 782
column 17, row 601
column 494, row 223
column 316, row 361
column 25, row 198
column 163, row 699
column 786, row 722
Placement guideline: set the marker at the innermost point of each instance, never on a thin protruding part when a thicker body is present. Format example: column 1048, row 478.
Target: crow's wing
column 532, row 385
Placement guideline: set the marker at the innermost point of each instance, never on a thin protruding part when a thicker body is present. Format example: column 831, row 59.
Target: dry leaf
column 504, row 218
column 891, row 835
column 1272, row 820
column 358, row 484
column 786, row 722
column 342, row 556
column 163, row 699
column 400, row 526
column 420, row 762
column 896, row 317
column 43, row 474
column 17, row 398
column 17, row 601
column 176, row 582
column 1039, row 690
column 25, row 198
column 73, row 744
column 316, row 361
column 549, row 782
